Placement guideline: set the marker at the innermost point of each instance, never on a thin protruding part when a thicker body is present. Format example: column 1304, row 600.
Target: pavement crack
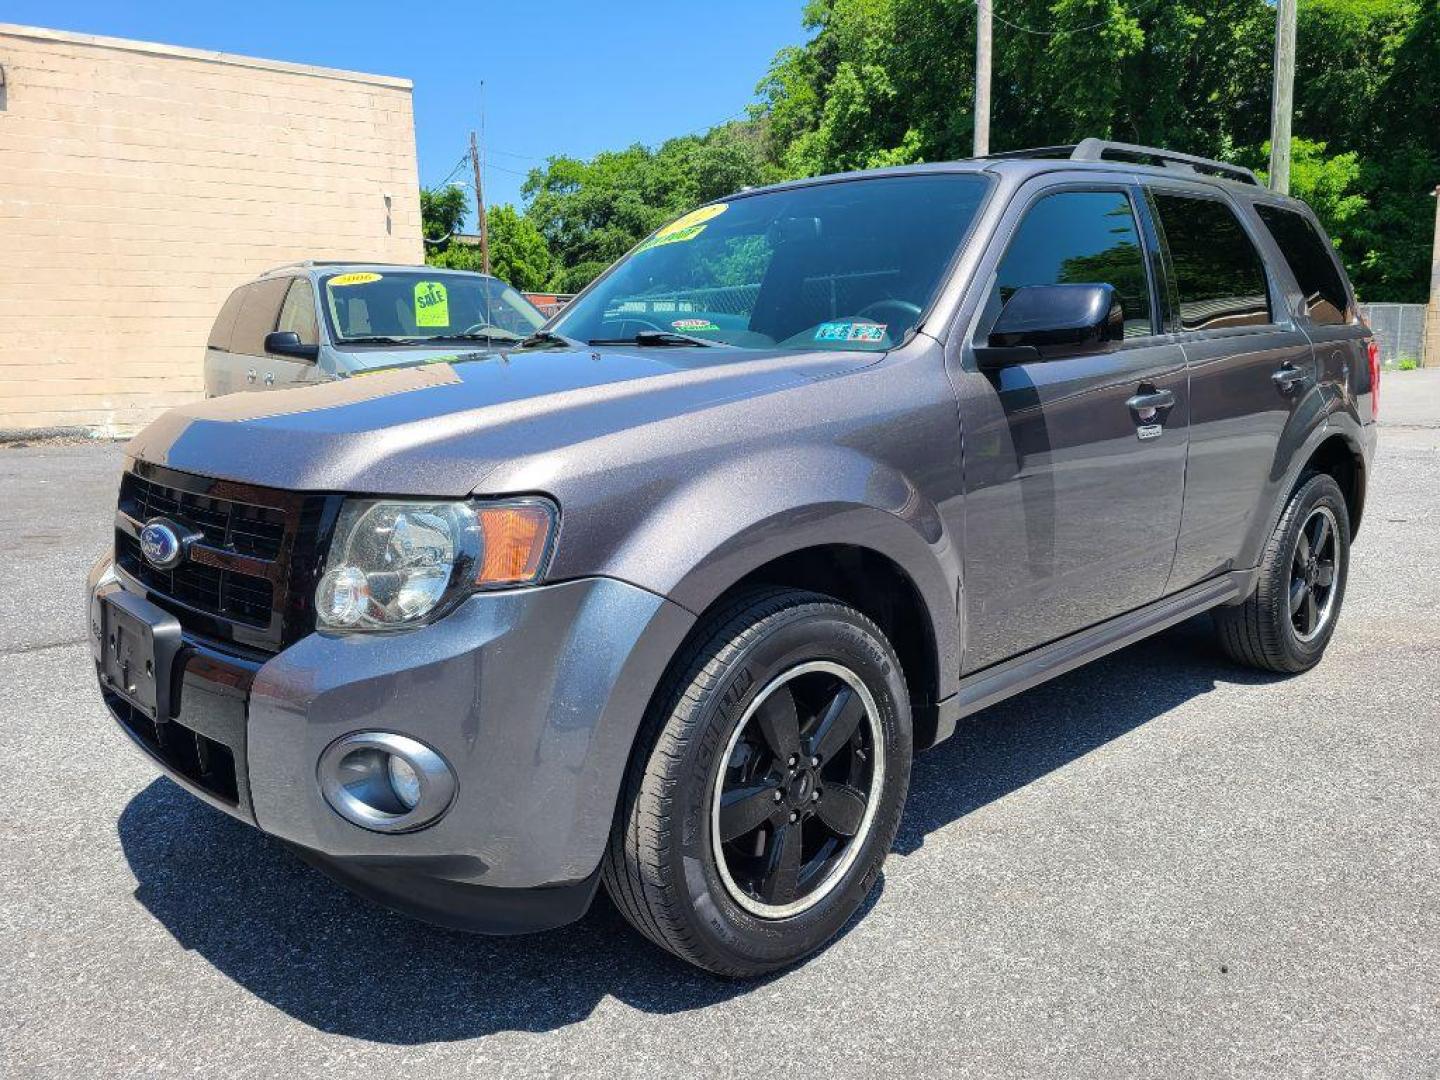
column 21, row 650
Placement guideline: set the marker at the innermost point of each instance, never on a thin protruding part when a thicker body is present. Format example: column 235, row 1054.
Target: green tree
column 883, row 82
column 519, row 255
column 442, row 213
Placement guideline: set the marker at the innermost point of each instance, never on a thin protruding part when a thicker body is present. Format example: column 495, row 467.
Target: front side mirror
column 1041, row 321
column 287, row 343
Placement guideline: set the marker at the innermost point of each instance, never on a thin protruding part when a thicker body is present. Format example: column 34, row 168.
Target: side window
column 1219, row 275
column 1081, row 238
column 1312, row 263
column 225, row 321
column 298, row 312
column 259, row 315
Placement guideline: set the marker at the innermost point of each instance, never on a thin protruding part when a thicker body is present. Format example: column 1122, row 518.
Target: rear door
column 1251, row 369
column 1323, row 304
column 248, row 361
column 1072, row 493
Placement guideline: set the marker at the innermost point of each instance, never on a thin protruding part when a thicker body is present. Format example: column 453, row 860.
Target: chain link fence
column 1400, row 330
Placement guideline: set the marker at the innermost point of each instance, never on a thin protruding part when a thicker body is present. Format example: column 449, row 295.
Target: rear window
column 1219, row 275
column 1312, row 263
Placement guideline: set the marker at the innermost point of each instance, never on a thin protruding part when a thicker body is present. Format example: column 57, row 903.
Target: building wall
column 140, row 183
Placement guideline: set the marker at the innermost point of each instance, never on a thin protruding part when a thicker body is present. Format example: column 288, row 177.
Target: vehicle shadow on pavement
column 343, row 965
column 1011, row 744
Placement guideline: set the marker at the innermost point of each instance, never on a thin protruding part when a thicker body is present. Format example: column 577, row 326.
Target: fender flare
column 749, row 511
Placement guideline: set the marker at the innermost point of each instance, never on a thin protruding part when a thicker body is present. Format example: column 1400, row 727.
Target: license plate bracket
column 138, row 645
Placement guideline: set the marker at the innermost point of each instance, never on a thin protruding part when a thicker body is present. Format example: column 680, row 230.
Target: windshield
column 412, row 307
column 846, row 265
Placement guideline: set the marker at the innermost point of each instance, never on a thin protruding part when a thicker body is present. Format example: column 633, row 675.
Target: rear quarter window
column 1311, row 261
column 225, row 321
column 1218, row 273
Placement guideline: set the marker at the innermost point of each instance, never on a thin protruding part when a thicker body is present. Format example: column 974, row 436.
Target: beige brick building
column 140, row 183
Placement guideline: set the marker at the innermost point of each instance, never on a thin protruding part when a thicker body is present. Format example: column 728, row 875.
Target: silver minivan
column 313, row 321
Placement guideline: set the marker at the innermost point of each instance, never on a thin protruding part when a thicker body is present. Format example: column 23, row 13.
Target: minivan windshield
column 841, row 265
column 410, row 307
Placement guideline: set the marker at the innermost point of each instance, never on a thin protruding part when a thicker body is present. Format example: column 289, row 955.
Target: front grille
column 235, row 596
column 249, row 574
column 248, row 529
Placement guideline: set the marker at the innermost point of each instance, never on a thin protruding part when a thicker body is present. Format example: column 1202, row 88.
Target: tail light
column 1372, row 350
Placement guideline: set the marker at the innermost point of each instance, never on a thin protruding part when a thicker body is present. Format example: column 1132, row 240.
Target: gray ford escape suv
column 668, row 595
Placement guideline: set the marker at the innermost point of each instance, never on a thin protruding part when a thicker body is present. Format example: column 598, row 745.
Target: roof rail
column 307, row 264
column 1104, row 150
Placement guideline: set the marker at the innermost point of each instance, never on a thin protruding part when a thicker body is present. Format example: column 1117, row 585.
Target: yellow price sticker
column 356, row 278
column 685, row 228
column 432, row 304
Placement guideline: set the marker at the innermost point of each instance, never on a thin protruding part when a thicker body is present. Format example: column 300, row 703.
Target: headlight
column 393, row 563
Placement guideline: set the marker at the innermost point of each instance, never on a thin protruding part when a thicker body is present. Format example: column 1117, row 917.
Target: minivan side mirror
column 287, row 343
column 1043, row 321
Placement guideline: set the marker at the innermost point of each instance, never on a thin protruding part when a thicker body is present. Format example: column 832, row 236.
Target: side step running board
column 994, row 684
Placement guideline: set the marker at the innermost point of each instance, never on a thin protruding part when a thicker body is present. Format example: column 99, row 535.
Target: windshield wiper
column 376, row 339
column 548, row 337
column 661, row 337
column 503, row 335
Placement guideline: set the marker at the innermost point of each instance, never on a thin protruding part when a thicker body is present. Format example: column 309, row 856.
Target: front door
column 297, row 313
column 1074, row 466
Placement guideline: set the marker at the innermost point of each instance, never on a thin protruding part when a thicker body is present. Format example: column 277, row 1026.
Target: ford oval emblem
column 160, row 544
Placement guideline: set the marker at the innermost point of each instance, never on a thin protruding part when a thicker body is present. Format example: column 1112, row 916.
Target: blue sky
column 561, row 77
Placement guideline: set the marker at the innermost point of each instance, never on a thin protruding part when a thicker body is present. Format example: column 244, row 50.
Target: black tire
column 662, row 867
column 1263, row 632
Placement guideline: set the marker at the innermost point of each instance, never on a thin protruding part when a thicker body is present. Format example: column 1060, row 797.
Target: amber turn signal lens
column 516, row 538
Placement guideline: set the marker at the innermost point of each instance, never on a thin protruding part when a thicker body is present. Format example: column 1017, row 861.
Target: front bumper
column 533, row 697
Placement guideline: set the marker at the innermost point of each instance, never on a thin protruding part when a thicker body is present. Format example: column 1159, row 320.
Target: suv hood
column 437, row 428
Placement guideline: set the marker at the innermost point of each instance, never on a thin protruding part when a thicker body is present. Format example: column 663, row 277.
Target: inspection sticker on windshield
column 689, row 326
column 357, row 278
column 850, row 331
column 432, row 304
column 685, row 228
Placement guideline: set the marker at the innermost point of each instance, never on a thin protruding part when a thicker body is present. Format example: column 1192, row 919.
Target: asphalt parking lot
column 1158, row 865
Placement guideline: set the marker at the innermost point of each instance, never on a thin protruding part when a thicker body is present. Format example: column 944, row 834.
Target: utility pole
column 1282, row 97
column 480, row 207
column 1431, row 343
column 982, row 78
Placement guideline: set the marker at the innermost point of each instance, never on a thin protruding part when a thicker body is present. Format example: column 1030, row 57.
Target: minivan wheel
column 1288, row 620
column 767, row 785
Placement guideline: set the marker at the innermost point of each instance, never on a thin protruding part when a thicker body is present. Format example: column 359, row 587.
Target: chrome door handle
column 250, row 375
column 1288, row 376
column 1151, row 402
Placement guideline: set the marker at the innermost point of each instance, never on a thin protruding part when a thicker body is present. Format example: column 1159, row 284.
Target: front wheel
column 1288, row 620
column 767, row 787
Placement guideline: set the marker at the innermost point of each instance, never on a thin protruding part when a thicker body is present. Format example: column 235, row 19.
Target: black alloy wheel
column 1312, row 573
column 795, row 799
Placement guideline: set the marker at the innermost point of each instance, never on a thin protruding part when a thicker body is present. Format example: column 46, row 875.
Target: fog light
column 385, row 782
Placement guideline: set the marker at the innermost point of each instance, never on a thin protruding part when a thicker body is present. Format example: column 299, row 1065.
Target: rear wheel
column 768, row 788
column 1287, row 622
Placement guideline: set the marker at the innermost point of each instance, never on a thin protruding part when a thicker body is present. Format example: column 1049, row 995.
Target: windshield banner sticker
column 850, row 331
column 685, row 228
column 432, row 304
column 358, row 278
column 689, row 326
